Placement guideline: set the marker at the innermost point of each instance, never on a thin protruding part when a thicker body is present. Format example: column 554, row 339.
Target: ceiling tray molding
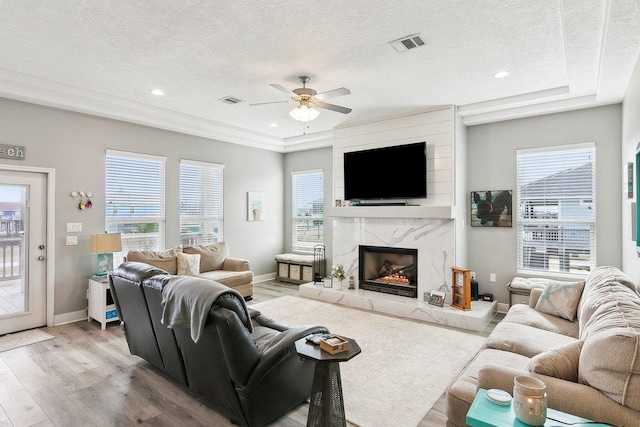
column 45, row 92
column 577, row 103
column 512, row 101
column 309, row 141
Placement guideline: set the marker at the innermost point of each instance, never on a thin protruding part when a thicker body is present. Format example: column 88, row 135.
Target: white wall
column 492, row 166
column 460, row 209
column 320, row 158
column 630, row 140
column 434, row 127
column 74, row 145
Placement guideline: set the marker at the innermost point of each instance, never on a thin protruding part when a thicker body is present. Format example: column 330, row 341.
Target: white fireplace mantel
column 429, row 212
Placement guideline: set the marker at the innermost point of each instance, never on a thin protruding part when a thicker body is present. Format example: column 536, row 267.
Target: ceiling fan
column 308, row 100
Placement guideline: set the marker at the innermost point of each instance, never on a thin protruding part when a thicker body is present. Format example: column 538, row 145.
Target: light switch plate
column 74, row 227
column 72, row 240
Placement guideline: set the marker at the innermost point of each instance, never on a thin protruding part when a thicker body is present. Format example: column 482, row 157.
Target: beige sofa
column 209, row 261
column 590, row 365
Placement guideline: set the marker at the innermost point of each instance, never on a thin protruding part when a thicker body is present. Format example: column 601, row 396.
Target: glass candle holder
column 530, row 400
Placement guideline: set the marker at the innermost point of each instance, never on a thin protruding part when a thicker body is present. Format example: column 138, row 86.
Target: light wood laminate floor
column 86, row 377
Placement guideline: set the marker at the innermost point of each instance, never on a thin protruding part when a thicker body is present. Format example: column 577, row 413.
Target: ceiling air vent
column 407, row 43
column 230, row 100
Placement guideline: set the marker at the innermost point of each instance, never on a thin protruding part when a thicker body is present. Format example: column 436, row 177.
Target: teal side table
column 486, row 414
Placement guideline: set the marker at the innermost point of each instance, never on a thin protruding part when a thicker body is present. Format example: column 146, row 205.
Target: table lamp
column 104, row 245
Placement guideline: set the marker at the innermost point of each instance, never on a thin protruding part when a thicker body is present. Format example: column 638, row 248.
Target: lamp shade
column 105, row 243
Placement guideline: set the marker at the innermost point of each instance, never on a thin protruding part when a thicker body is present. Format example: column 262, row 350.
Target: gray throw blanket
column 186, row 302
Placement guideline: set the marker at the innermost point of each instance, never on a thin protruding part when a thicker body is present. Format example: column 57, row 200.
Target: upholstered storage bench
column 520, row 288
column 293, row 268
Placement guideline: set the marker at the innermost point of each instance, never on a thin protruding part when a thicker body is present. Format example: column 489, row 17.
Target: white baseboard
column 264, row 277
column 74, row 316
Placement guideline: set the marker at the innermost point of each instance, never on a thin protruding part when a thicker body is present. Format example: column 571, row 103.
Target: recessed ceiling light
column 501, row 74
column 274, row 125
column 157, row 92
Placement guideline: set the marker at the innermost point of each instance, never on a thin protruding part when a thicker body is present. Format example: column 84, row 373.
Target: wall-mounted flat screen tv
column 398, row 172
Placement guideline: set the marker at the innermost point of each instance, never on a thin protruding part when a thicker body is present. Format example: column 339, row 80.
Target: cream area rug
column 404, row 368
column 20, row 339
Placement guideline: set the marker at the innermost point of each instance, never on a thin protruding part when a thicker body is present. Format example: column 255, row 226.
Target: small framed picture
column 436, row 298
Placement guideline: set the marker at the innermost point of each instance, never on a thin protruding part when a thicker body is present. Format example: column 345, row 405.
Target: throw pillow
column 560, row 362
column 211, row 256
column 188, row 264
column 166, row 260
column 561, row 299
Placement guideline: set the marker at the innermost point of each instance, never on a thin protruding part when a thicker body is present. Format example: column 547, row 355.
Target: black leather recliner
column 251, row 378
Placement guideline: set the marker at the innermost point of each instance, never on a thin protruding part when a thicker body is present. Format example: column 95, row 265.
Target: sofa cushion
column 229, row 278
column 610, row 362
column 560, row 362
column 596, row 288
column 561, row 299
column 610, row 299
column 166, row 260
column 525, row 340
column 188, row 264
column 525, row 315
column 211, row 256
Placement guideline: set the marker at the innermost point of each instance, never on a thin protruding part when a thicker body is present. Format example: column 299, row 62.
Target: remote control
column 315, row 338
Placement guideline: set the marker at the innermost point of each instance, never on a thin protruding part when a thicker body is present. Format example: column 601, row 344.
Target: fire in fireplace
column 389, row 270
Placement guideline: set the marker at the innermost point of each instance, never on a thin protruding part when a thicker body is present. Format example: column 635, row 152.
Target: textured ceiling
column 104, row 57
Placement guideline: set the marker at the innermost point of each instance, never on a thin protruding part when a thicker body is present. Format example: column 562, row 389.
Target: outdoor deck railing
column 10, row 249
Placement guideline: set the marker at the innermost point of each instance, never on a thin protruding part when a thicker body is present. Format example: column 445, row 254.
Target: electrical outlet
column 492, row 277
column 425, row 296
column 72, row 240
column 473, row 275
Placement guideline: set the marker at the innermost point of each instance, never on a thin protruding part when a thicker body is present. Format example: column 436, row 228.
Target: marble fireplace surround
column 434, row 238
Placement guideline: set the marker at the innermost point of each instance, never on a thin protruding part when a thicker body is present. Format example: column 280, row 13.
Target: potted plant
column 337, row 271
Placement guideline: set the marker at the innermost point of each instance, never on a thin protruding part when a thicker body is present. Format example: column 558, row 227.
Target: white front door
column 23, row 264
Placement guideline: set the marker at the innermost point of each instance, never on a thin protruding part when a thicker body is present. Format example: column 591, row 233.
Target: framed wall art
column 255, row 206
column 491, row 208
column 630, row 180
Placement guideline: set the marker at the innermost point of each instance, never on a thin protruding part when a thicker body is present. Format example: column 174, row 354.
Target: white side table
column 101, row 306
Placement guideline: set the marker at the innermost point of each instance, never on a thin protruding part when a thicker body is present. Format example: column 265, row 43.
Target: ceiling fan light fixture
column 304, row 113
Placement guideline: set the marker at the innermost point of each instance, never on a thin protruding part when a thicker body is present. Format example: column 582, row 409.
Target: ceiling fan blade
column 332, row 107
column 275, row 102
column 282, row 89
column 332, row 93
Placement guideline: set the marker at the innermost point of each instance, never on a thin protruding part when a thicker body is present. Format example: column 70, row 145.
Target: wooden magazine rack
column 461, row 288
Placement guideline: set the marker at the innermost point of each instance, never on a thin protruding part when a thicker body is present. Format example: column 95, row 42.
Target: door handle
column 41, row 258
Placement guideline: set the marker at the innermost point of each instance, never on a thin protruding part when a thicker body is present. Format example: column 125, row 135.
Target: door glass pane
column 13, row 292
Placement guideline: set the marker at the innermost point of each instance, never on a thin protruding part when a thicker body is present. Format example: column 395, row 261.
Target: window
column 556, row 209
column 308, row 210
column 134, row 200
column 200, row 203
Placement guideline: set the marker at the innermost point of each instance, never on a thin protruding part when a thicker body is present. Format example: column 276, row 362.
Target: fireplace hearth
column 389, row 270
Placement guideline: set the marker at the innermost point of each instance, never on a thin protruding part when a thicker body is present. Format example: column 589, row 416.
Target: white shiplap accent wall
column 435, row 127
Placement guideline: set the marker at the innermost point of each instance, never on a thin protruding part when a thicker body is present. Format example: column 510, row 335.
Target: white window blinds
column 307, row 210
column 556, row 209
column 201, row 202
column 135, row 199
